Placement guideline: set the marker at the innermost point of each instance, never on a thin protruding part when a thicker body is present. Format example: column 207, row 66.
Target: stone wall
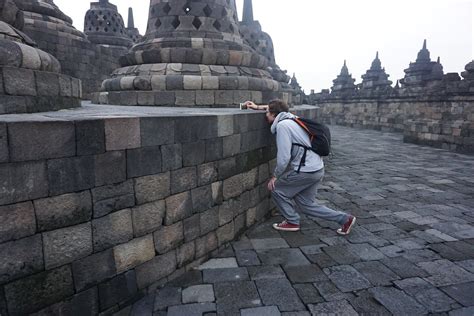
column 95, row 209
column 443, row 122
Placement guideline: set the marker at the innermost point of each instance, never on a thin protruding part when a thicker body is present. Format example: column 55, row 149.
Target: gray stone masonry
column 102, row 204
column 410, row 252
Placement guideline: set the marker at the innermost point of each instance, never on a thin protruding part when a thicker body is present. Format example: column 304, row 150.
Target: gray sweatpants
column 301, row 188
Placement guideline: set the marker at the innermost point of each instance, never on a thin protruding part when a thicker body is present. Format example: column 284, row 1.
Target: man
column 287, row 184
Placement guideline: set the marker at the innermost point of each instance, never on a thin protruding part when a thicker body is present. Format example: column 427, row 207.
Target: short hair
column 277, row 106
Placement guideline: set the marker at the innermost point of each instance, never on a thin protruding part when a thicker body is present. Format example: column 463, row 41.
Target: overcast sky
column 313, row 37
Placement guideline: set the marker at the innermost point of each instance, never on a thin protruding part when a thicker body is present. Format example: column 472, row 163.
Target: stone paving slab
column 411, row 252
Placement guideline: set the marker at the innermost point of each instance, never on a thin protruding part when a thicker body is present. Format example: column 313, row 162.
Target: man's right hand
column 250, row 105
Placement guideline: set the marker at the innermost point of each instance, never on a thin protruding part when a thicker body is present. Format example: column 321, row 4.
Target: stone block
column 19, row 81
column 228, row 83
column 156, row 269
column 148, row 218
column 4, row 151
column 225, row 233
column 209, row 220
column 232, row 187
column 90, row 137
column 191, row 227
column 86, row 303
column 156, row 131
column 202, row 198
column 146, row 98
column 250, row 179
column 174, row 82
column 198, row 294
column 185, row 254
column 210, row 83
column 143, row 161
column 135, row 252
column 231, row 297
column 110, row 168
column 191, row 129
column 178, row 207
column 172, row 157
column 165, row 98
column 152, row 188
column 214, row 149
column 193, row 153
column 185, row 98
column 206, row 173
column 47, row 83
column 65, row 86
column 192, row 82
column 21, row 258
column 71, row 174
column 217, row 192
column 93, row 269
column 17, row 221
column 119, row 289
column 227, row 211
column 205, row 98
column 112, row 197
column 158, row 83
column 66, row 245
column 183, row 179
column 123, row 133
column 22, row 181
column 42, row 140
column 206, row 244
column 231, row 145
column 38, row 291
column 168, row 237
column 225, row 125
column 224, row 97
column 112, row 230
column 64, row 210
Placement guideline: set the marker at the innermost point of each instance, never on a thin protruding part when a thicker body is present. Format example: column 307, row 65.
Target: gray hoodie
column 288, row 132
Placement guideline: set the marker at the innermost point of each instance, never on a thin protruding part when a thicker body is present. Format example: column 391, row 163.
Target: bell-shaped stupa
column 192, row 55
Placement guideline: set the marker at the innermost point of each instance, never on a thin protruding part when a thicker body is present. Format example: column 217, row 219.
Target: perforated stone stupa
column 192, row 55
column 104, row 25
column 30, row 79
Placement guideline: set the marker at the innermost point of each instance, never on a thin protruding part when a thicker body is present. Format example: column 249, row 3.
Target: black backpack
column 320, row 137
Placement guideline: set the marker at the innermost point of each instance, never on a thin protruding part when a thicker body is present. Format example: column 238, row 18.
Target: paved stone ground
column 412, row 252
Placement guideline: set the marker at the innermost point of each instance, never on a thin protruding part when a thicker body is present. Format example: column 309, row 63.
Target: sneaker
column 287, row 227
column 346, row 228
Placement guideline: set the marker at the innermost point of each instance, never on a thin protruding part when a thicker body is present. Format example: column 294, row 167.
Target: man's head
column 275, row 107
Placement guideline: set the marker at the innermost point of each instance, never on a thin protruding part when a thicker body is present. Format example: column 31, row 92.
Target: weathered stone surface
column 280, row 293
column 64, row 210
column 17, row 221
column 4, row 152
column 289, row 257
column 86, row 302
column 71, row 174
column 430, row 297
column 156, row 269
column 232, row 296
column 117, row 290
column 110, row 168
column 461, row 292
column 93, row 269
column 183, row 179
column 194, row 153
column 135, row 252
column 67, row 245
column 172, row 157
column 167, row 296
column 156, row 131
column 404, row 268
column 185, row 254
column 178, row 207
column 209, row 220
column 269, row 243
column 23, row 181
column 397, row 302
column 206, row 244
column 192, row 229
column 337, row 307
column 19, row 81
column 40, row 290
column 225, row 233
column 225, row 275
column 266, row 272
column 227, row 210
column 347, row 279
column 305, row 274
column 232, row 187
column 376, row 273
column 192, row 309
column 122, row 134
column 202, row 198
column 247, row 258
column 198, row 294
column 261, row 311
column 148, row 218
column 112, row 197
column 168, row 237
column 206, row 173
column 152, row 188
column 112, row 230
column 143, row 161
column 90, row 137
column 21, row 258
column 444, row 272
column 45, row 140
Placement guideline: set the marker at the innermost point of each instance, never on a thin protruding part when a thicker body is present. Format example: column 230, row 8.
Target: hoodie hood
column 280, row 117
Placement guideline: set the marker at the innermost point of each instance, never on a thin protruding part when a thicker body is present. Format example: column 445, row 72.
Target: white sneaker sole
column 275, row 226
column 339, row 231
